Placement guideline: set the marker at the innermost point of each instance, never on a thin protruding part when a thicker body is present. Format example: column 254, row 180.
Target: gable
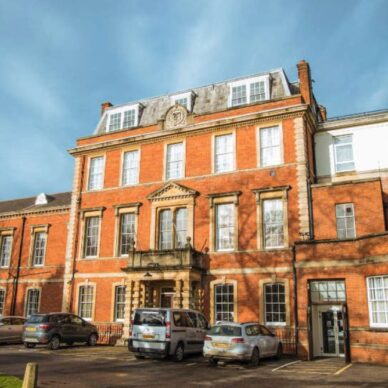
column 172, row 191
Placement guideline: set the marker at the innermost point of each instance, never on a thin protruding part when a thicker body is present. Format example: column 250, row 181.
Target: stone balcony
column 165, row 259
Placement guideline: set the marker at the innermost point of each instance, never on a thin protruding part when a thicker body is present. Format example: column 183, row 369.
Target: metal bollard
column 31, row 376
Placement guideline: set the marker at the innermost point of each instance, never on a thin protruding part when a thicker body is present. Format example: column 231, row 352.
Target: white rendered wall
column 370, row 148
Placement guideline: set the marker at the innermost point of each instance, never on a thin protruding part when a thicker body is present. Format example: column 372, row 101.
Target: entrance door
column 166, row 297
column 331, row 331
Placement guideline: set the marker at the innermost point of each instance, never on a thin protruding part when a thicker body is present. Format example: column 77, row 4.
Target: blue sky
column 60, row 59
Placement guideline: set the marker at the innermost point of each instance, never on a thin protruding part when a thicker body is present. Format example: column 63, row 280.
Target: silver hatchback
column 240, row 341
column 11, row 329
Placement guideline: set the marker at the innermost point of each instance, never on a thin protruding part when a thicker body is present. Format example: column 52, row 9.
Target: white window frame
column 87, row 218
column 231, row 304
column 384, row 292
column 121, row 110
column 121, row 217
column 173, row 227
column 217, row 228
column 28, row 302
column 137, row 167
column 2, row 239
column 275, row 323
column 187, row 95
column 336, row 146
column 100, row 187
column 346, row 220
column 268, row 200
column 92, row 302
column 216, row 153
column 116, row 303
column 33, row 255
column 260, row 147
column 182, row 161
column 3, row 292
column 247, row 82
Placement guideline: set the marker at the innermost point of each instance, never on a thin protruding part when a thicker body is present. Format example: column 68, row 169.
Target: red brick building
column 219, row 198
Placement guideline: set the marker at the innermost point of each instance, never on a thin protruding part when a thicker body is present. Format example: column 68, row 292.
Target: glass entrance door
column 331, row 330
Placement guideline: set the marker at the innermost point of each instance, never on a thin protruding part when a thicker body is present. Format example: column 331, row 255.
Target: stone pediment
column 172, row 191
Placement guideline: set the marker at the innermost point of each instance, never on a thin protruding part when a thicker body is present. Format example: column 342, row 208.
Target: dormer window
column 184, row 99
column 123, row 118
column 248, row 91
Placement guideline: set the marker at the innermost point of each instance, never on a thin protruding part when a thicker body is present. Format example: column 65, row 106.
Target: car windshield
column 226, row 330
column 150, row 318
column 36, row 318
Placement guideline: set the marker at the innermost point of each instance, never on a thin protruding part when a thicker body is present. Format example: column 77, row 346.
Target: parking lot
column 103, row 366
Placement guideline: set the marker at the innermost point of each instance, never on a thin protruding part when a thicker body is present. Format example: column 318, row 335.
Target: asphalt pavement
column 110, row 367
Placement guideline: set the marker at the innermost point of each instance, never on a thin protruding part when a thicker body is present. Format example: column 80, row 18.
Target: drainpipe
column 77, row 222
column 16, row 278
column 295, row 279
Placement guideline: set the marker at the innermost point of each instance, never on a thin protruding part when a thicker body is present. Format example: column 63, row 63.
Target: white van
column 161, row 332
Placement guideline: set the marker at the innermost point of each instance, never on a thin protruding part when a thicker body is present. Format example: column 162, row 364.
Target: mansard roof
column 206, row 99
column 24, row 205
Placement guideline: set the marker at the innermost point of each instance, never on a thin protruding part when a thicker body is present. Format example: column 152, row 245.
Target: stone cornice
column 21, row 213
column 211, row 125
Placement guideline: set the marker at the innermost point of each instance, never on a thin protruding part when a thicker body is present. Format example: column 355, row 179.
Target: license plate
column 30, row 328
column 148, row 336
column 220, row 345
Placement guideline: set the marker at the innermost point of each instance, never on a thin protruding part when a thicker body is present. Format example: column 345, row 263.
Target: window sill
column 275, row 324
column 346, row 172
column 270, row 249
column 379, row 329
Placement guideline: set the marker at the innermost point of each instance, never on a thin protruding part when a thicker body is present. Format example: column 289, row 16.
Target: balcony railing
column 171, row 258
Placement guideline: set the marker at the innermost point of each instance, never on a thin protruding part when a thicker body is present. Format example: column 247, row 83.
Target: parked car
column 240, row 341
column 11, row 329
column 55, row 328
column 161, row 332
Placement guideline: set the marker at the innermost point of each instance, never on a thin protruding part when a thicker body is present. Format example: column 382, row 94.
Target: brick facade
column 259, row 277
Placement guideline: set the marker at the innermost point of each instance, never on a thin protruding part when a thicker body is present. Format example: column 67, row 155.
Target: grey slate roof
column 28, row 204
column 207, row 99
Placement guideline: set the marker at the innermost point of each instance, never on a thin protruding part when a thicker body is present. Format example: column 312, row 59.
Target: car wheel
column 213, row 361
column 139, row 357
column 54, row 343
column 279, row 352
column 92, row 340
column 70, row 343
column 179, row 353
column 255, row 358
column 29, row 345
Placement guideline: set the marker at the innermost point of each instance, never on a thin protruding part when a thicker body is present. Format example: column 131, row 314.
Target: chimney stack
column 304, row 76
column 104, row 106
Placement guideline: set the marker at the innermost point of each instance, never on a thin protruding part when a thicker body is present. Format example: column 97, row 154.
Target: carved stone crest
column 176, row 117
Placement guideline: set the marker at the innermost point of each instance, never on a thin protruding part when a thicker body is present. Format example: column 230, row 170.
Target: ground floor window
column 2, row 300
column 378, row 300
column 275, row 303
column 32, row 301
column 119, row 303
column 224, row 302
column 85, row 302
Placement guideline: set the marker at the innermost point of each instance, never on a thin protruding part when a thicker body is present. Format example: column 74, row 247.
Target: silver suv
column 160, row 332
column 240, row 341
